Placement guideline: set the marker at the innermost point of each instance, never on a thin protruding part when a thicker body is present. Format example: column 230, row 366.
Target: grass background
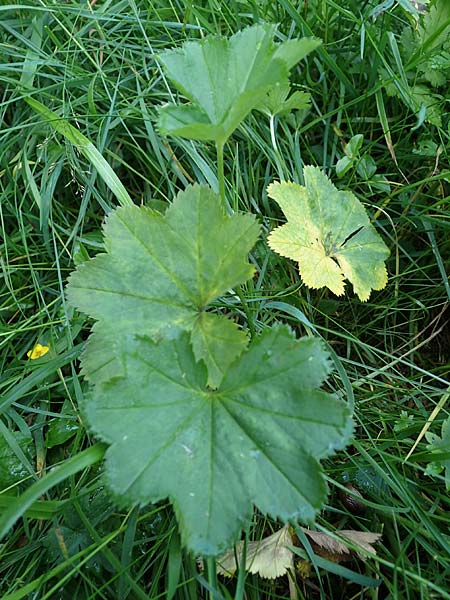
column 94, row 66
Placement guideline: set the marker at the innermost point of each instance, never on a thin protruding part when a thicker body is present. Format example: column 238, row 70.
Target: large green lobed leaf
column 225, row 79
column 189, row 411
column 159, row 274
column 255, row 440
column 329, row 234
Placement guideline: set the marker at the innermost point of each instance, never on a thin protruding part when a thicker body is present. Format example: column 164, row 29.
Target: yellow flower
column 37, row 351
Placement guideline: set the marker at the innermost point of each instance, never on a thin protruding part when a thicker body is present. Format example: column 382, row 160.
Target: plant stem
column 272, row 133
column 220, row 174
column 278, row 157
column 251, row 325
column 241, row 563
column 221, row 180
column 212, row 577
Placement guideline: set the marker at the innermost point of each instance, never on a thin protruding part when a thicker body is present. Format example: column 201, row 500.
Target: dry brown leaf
column 269, row 557
column 364, row 539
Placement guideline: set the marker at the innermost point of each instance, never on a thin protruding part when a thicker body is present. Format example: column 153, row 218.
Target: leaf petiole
column 251, row 325
column 221, row 176
column 212, row 578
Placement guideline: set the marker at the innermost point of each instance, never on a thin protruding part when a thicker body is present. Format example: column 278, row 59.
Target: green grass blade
column 38, row 376
column 59, row 570
column 294, row 13
column 173, row 565
column 338, row 569
column 42, row 509
column 73, row 465
column 86, row 147
column 31, row 58
column 428, row 227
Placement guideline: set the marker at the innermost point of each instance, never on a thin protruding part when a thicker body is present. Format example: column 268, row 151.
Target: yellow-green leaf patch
column 329, row 234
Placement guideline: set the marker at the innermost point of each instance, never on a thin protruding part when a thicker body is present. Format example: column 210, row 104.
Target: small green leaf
column 427, row 147
column 62, row 428
column 366, row 167
column 79, row 254
column 217, row 341
column 404, row 422
column 330, row 236
column 160, row 273
column 379, row 182
column 441, row 445
column 12, row 468
column 351, row 155
column 343, row 165
column 276, row 101
column 354, row 146
column 257, row 439
column 224, row 79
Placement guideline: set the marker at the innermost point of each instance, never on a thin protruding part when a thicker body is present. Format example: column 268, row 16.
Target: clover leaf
column 159, row 274
column 257, row 439
column 329, row 234
column 224, row 79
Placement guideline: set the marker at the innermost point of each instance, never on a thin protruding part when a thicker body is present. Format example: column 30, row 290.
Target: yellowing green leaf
column 330, row 236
